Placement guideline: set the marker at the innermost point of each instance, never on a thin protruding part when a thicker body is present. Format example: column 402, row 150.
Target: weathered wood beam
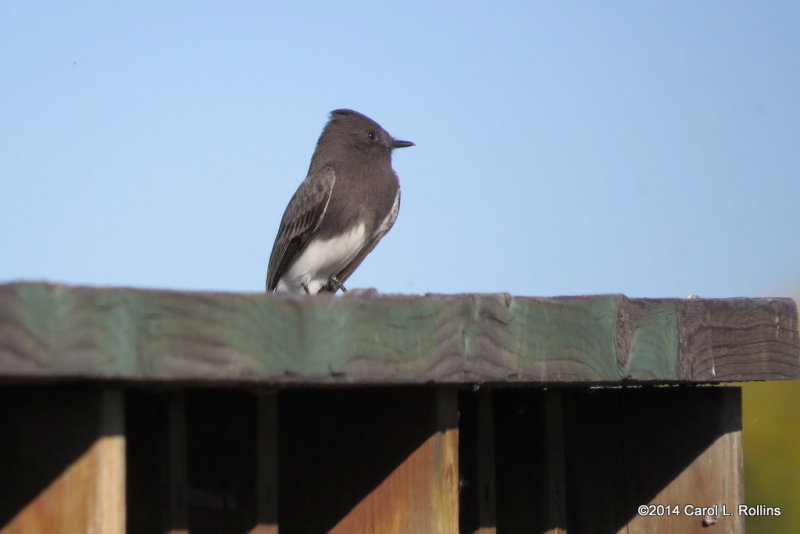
column 61, row 332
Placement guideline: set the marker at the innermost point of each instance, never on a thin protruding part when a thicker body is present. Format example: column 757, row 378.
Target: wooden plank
column 486, row 475
column 421, row 494
column 581, row 460
column 720, row 343
column 555, row 477
column 51, row 331
column 267, row 465
column 594, row 429
column 521, row 477
column 222, row 460
column 202, row 460
column 531, row 462
column 150, row 431
column 369, row 460
column 670, row 448
column 178, row 479
column 477, row 462
column 108, row 456
column 63, row 470
column 684, row 451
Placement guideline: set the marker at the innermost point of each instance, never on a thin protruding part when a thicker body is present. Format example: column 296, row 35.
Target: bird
column 348, row 201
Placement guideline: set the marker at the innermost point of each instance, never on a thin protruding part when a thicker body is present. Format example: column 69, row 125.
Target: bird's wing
column 302, row 216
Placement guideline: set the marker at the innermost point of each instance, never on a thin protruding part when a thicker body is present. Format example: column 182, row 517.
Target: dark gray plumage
column 346, row 204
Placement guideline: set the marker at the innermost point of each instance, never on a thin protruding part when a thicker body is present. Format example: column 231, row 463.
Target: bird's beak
column 397, row 143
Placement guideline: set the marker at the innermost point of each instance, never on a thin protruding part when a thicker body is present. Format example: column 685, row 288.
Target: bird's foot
column 336, row 284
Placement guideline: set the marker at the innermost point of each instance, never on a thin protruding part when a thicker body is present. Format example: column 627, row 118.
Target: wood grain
column 697, row 451
column 367, row 460
column 57, row 332
column 63, row 466
column 421, row 494
column 584, row 460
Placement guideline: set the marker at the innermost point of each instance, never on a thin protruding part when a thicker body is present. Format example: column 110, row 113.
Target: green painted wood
column 55, row 332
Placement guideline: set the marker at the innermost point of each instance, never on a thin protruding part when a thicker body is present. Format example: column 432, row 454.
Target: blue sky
column 646, row 148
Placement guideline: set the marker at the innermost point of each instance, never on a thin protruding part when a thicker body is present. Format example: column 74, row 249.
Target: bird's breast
column 322, row 258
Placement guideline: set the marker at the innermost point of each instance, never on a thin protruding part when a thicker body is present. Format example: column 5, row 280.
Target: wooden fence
column 139, row 411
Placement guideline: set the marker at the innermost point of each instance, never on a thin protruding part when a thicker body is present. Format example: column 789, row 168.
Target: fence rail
column 54, row 331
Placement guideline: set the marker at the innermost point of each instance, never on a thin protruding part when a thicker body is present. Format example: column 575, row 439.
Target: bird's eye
column 371, row 135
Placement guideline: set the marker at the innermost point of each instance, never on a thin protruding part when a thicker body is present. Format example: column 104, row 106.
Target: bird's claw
column 336, row 284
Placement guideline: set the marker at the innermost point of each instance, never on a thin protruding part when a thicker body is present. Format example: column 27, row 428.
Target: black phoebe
column 348, row 201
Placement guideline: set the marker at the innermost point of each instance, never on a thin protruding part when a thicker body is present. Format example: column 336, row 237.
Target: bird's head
column 359, row 131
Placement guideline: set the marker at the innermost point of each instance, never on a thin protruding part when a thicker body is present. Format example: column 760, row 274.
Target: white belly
column 320, row 260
